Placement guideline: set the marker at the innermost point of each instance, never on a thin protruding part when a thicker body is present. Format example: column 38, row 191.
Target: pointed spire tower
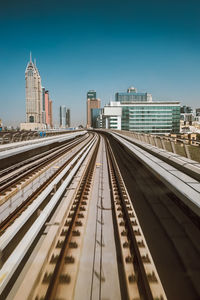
column 33, row 93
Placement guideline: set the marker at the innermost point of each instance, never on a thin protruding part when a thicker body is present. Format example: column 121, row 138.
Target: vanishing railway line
column 12, row 175
column 90, row 228
column 26, row 174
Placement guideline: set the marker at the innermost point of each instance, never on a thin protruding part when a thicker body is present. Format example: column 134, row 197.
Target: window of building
column 31, row 119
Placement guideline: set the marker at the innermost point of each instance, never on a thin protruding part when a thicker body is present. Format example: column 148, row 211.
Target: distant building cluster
column 190, row 119
column 38, row 104
column 134, row 111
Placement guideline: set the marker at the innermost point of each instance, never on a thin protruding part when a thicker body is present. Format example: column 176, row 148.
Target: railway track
column 57, row 276
column 95, row 232
column 56, row 183
column 50, row 198
column 13, row 175
column 42, row 176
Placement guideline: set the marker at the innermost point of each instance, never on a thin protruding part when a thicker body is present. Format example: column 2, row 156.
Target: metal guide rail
column 58, row 278
column 141, row 278
column 15, row 261
column 33, row 185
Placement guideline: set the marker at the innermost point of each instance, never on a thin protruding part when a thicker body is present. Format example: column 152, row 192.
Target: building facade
column 43, row 106
column 33, row 94
column 91, row 94
column 68, row 118
column 50, row 114
column 38, row 109
column 62, row 116
column 197, row 112
column 132, row 96
column 137, row 112
column 92, row 103
column 155, row 117
column 95, row 112
column 112, row 115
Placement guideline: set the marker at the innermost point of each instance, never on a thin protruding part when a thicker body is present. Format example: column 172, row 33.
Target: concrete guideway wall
column 185, row 187
column 188, row 166
column 24, row 150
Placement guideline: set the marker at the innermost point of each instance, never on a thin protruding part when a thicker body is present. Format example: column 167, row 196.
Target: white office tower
column 33, row 94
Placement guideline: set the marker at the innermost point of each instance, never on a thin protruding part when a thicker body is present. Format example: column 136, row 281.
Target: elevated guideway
column 15, row 152
column 102, row 216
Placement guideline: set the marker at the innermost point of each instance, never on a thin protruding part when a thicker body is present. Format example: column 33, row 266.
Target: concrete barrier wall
column 174, row 145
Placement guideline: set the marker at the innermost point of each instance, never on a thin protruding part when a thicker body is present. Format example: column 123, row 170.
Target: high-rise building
column 47, row 107
column 68, row 118
column 43, row 106
column 92, row 103
column 48, row 110
column 95, row 112
column 63, row 116
column 50, row 114
column 38, row 107
column 33, row 94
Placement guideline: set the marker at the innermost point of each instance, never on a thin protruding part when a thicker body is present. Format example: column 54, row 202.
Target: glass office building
column 140, row 114
column 95, row 112
column 155, row 117
column 132, row 96
column 62, row 116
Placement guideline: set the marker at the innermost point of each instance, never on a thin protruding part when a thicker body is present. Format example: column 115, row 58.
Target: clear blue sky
column 102, row 45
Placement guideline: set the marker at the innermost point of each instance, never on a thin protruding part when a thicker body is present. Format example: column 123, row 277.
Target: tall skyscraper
column 50, row 114
column 92, row 103
column 38, row 105
column 47, row 107
column 43, row 106
column 63, row 116
column 68, row 119
column 33, row 94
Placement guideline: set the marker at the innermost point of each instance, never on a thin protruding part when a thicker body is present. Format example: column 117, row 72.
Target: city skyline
column 105, row 47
